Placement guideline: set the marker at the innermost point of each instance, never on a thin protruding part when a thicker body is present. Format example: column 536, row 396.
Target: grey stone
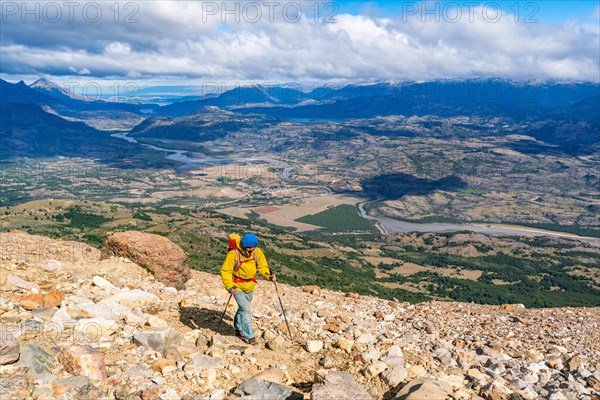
column 43, row 392
column 44, row 313
column 199, row 363
column 264, row 390
column 340, row 386
column 395, row 375
column 74, row 382
column 150, row 340
column 157, row 340
column 36, row 360
column 9, row 347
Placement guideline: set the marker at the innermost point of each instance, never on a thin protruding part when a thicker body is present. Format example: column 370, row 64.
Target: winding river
column 384, row 224
column 393, row 225
column 196, row 161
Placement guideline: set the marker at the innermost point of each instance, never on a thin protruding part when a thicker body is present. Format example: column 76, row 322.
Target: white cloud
column 177, row 39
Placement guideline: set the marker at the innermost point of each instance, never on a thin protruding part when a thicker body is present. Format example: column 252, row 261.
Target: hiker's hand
column 273, row 277
column 232, row 290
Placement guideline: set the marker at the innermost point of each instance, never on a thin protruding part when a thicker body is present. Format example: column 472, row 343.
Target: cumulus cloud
column 199, row 40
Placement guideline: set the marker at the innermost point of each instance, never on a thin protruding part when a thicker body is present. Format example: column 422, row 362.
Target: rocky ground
column 73, row 326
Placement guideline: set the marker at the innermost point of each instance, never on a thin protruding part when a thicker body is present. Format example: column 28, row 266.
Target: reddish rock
column 506, row 307
column 163, row 258
column 84, row 360
column 332, row 328
column 40, row 300
column 149, row 394
column 59, row 390
column 344, row 318
column 379, row 315
column 352, row 295
column 312, row 289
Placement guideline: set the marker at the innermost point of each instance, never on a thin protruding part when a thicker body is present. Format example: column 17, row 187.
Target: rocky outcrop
column 162, row 257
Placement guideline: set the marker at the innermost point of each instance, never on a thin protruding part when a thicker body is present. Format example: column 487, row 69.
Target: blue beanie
column 249, row 240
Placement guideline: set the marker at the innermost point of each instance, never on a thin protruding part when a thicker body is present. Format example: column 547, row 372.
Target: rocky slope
column 74, row 326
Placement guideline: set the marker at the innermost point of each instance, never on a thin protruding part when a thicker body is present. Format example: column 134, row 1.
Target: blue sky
column 546, row 11
column 195, row 42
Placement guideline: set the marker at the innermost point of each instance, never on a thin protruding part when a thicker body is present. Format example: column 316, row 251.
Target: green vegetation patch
column 80, row 219
column 342, row 218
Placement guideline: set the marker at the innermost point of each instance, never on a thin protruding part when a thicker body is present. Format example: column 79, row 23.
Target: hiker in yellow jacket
column 238, row 274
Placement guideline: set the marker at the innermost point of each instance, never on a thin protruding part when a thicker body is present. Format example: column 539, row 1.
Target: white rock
column 365, row 338
column 131, row 295
column 374, row 369
column 313, row 346
column 52, row 265
column 13, row 281
column 78, row 301
column 157, row 323
column 456, row 381
column 170, row 394
column 395, row 351
column 395, row 375
column 557, row 396
column 136, row 317
column 159, row 380
column 218, row 394
column 103, row 283
column 373, row 354
column 392, row 360
column 93, row 328
column 537, row 367
column 99, row 310
column 61, row 317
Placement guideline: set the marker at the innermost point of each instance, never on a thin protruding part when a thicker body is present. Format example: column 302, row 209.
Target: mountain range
column 563, row 114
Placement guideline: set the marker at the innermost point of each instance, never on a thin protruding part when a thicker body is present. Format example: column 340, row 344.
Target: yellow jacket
column 247, row 269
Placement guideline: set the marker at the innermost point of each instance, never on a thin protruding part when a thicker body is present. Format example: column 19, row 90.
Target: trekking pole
column 283, row 311
column 225, row 310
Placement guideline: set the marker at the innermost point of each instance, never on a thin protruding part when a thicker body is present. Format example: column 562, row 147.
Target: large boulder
column 259, row 389
column 164, row 258
column 425, row 388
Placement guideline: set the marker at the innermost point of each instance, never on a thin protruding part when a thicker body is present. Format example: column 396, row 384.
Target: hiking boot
column 252, row 342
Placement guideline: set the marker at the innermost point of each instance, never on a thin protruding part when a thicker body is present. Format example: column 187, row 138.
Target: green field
column 342, row 218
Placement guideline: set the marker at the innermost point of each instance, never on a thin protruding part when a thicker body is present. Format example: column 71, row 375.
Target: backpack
column 234, row 245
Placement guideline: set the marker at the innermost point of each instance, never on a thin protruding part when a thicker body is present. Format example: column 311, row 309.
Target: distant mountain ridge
column 46, row 93
column 442, row 97
column 28, row 131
